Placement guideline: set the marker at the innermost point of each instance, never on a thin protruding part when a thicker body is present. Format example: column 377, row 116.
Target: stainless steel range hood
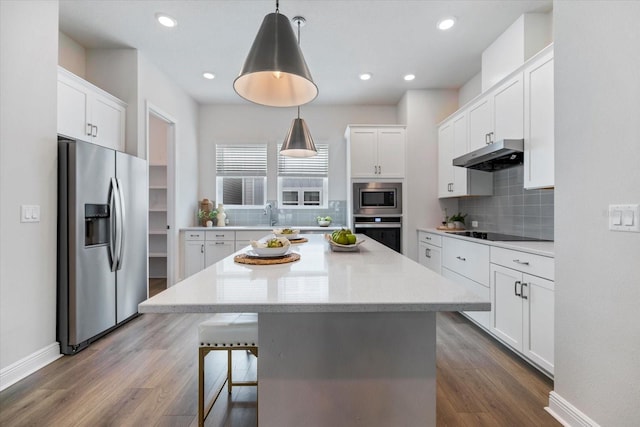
column 498, row 155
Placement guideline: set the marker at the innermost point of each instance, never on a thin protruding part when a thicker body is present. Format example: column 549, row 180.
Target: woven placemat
column 298, row 240
column 247, row 259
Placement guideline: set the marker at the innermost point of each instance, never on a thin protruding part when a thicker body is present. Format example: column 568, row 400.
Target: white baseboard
column 28, row 365
column 567, row 414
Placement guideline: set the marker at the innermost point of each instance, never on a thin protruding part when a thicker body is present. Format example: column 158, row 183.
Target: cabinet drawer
column 468, row 259
column 194, row 235
column 220, row 235
column 430, row 238
column 536, row 265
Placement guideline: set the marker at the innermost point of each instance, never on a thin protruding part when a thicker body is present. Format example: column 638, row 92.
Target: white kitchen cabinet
column 498, row 114
column 88, row 113
column 454, row 181
column 523, row 309
column 430, row 251
column 376, row 152
column 539, row 145
column 193, row 259
column 218, row 245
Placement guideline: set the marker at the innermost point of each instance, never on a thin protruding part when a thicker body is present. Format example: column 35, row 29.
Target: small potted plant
column 207, row 217
column 324, row 221
column 456, row 221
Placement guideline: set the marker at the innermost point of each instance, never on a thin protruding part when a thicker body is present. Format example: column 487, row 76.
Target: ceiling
column 341, row 39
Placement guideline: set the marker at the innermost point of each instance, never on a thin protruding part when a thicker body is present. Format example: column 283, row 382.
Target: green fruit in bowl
column 351, row 238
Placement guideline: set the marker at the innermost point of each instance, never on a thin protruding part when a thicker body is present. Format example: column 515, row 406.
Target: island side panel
column 347, row 369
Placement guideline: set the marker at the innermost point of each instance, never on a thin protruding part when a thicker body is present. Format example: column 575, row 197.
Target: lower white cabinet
column 483, row 318
column 523, row 313
column 430, row 251
column 193, row 259
column 204, row 248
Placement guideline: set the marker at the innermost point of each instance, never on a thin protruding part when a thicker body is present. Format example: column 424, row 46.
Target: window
column 241, row 174
column 303, row 182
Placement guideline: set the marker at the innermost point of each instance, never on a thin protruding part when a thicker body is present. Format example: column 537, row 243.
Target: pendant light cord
column 277, row 6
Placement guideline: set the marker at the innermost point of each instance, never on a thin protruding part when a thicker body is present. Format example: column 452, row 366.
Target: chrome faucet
column 268, row 209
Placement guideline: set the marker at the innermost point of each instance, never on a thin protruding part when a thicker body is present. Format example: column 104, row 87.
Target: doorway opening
column 160, row 157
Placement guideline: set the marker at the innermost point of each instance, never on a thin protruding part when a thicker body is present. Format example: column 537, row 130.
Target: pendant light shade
column 275, row 72
column 298, row 142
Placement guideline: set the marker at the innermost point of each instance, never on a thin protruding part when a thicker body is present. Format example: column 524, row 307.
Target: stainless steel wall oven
column 377, row 212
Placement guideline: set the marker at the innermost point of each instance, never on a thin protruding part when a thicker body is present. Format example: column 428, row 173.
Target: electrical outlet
column 474, row 224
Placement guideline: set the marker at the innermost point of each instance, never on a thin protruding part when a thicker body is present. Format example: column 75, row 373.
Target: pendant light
column 298, row 142
column 275, row 72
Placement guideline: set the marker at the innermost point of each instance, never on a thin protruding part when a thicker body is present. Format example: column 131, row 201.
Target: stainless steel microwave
column 377, row 198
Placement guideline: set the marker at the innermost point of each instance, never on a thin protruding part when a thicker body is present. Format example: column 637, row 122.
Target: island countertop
column 373, row 279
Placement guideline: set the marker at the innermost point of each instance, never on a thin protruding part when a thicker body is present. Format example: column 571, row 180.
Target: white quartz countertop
column 374, row 279
column 538, row 248
column 265, row 227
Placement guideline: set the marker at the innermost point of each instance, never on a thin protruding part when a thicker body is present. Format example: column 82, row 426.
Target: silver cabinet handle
column 201, row 249
column 427, row 253
column 219, row 243
column 515, row 288
column 487, row 140
column 461, row 258
column 522, row 291
column 90, row 131
column 427, row 238
column 521, row 262
column 96, row 134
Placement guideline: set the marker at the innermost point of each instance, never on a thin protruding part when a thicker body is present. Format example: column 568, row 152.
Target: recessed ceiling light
column 209, row 76
column 446, row 23
column 365, row 76
column 409, row 77
column 166, row 20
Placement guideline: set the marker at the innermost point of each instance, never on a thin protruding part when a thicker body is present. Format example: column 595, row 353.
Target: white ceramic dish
column 324, row 223
column 278, row 232
column 261, row 248
column 262, row 254
column 337, row 247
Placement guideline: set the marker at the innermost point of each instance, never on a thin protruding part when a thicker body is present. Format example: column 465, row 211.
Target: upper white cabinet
column 497, row 115
column 88, row 113
column 539, row 143
column 454, row 181
column 376, row 152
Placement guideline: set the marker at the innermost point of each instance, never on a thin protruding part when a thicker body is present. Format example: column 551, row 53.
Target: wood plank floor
column 144, row 374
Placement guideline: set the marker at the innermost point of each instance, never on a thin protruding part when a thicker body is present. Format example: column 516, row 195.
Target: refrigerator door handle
column 121, row 225
column 113, row 243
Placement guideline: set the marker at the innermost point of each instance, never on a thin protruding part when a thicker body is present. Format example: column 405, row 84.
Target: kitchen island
column 346, row 338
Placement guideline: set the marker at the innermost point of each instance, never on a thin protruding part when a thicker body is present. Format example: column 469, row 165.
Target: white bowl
column 261, row 249
column 324, row 223
column 279, row 232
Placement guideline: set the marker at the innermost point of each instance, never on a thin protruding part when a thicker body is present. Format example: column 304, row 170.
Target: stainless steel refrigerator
column 102, row 241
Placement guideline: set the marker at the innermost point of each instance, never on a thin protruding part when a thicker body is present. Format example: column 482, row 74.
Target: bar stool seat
column 226, row 332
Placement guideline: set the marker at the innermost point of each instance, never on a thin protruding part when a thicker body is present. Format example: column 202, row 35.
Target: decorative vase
column 221, row 216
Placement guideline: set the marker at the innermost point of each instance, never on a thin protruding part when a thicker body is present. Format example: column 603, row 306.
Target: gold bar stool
column 225, row 332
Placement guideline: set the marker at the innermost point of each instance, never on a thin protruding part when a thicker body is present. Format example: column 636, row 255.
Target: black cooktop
column 497, row 237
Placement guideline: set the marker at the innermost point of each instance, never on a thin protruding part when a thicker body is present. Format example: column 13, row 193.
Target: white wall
column 421, row 111
column 597, row 69
column 71, row 55
column 471, row 89
column 28, row 175
column 253, row 123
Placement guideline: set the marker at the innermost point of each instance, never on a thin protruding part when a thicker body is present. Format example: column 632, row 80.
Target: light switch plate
column 624, row 217
column 30, row 213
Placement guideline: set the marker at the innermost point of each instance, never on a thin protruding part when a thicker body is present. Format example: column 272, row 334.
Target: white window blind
column 239, row 160
column 316, row 166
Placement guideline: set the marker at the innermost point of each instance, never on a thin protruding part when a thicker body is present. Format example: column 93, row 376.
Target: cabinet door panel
column 72, row 112
column 215, row 251
column 539, row 124
column 363, row 152
column 109, row 121
column 430, row 256
column 538, row 340
column 460, row 147
column 480, row 123
column 506, row 321
column 508, row 110
column 193, row 257
column 445, row 155
column 391, row 153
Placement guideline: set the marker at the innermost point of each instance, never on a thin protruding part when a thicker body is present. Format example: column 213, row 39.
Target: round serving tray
column 253, row 260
